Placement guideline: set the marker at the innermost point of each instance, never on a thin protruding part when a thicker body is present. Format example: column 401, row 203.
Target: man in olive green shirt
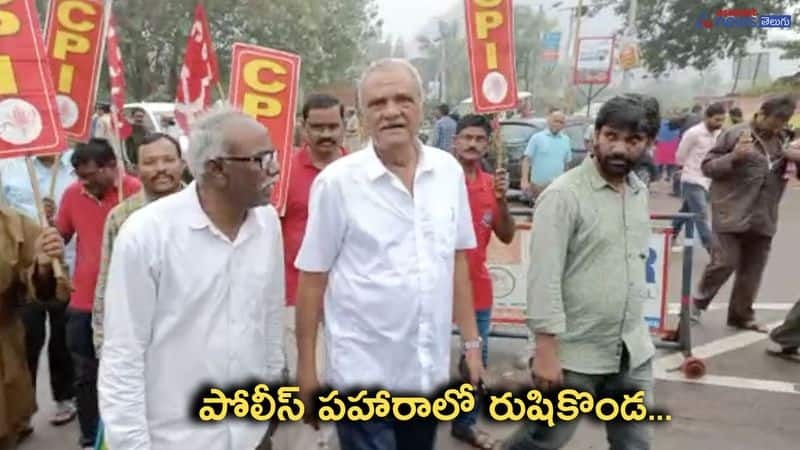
column 586, row 284
column 159, row 165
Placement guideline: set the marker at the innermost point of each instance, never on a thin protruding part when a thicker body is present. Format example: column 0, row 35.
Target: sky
column 407, row 18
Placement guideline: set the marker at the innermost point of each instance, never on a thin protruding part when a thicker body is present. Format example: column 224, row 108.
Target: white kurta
column 187, row 307
column 390, row 258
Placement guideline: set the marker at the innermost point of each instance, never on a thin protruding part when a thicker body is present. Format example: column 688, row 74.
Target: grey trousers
column 620, row 435
column 787, row 335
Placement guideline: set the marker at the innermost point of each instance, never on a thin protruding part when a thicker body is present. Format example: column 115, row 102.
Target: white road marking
column 717, row 347
column 780, row 387
column 675, row 308
column 666, row 367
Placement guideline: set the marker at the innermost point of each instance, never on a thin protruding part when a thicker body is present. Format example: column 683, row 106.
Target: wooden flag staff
column 58, row 271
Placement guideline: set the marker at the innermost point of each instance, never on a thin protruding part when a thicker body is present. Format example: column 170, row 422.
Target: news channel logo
column 745, row 18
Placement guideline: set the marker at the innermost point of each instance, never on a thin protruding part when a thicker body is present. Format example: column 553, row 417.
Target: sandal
column 749, row 326
column 474, row 437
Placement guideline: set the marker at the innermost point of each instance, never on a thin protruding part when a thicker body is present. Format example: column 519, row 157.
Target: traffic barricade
column 508, row 266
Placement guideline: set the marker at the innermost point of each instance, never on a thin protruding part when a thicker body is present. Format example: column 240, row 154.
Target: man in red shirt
column 83, row 210
column 490, row 213
column 323, row 133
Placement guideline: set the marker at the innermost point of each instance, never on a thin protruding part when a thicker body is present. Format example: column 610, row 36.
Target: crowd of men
column 175, row 286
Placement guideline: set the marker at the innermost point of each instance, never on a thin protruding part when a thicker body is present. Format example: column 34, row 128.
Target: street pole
column 578, row 15
column 444, row 70
column 630, row 32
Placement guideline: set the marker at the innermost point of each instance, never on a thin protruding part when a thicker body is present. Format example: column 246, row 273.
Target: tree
column 672, row 35
column 153, row 37
column 528, row 29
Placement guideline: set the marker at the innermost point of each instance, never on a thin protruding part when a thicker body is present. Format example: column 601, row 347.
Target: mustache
column 326, row 141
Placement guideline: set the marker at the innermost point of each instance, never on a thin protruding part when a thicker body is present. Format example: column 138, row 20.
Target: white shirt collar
column 375, row 167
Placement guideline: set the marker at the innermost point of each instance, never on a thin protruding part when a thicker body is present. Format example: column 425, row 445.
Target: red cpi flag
column 198, row 74
column 29, row 122
column 490, row 38
column 264, row 85
column 116, row 75
column 75, row 37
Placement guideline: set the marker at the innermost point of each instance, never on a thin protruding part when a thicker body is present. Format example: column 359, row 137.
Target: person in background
column 27, row 255
column 735, row 115
column 547, row 155
column 197, row 286
column 785, row 338
column 592, row 227
column 102, row 127
column 82, row 213
column 490, row 214
column 384, row 255
column 692, row 151
column 323, row 127
column 693, row 118
column 746, row 167
column 17, row 193
column 444, row 129
column 138, row 131
column 666, row 147
column 353, row 132
column 159, row 165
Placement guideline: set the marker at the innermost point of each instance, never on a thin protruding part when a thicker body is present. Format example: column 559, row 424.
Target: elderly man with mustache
column 197, row 280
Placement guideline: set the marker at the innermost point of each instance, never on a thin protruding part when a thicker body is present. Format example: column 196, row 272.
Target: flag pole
column 58, row 271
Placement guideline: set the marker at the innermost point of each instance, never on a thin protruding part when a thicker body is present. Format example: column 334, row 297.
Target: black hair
column 321, row 101
column 105, row 107
column 715, row 109
column 96, row 150
column 474, row 120
column 735, row 111
column 150, row 138
column 781, row 106
column 137, row 110
column 443, row 109
column 632, row 112
column 697, row 109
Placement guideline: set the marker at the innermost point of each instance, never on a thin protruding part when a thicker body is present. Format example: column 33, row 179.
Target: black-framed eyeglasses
column 264, row 159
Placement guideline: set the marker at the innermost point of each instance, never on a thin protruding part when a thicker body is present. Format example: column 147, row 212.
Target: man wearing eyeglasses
column 198, row 287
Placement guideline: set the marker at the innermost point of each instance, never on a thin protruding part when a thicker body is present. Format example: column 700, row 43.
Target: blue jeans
column 620, row 435
column 387, row 434
column 484, row 320
column 695, row 200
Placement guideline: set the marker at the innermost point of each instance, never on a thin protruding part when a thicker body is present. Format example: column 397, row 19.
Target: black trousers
column 34, row 318
column 79, row 342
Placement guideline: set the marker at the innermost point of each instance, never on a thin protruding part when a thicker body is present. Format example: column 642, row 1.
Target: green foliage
column 327, row 35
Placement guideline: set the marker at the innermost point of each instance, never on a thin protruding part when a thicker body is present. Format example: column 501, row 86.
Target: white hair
column 208, row 138
column 385, row 63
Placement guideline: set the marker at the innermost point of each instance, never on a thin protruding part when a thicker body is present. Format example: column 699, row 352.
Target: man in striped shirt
column 159, row 164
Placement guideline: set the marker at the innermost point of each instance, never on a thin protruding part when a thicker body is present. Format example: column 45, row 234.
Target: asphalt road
column 747, row 399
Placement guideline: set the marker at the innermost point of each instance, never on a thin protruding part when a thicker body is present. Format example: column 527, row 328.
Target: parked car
column 516, row 133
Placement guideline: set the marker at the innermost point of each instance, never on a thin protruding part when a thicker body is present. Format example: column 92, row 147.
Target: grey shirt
column 586, row 284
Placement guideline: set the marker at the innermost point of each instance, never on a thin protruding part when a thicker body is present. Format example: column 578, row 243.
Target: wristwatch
column 471, row 344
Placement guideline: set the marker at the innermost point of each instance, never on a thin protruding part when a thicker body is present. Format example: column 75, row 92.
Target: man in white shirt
column 695, row 144
column 385, row 246
column 198, row 286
